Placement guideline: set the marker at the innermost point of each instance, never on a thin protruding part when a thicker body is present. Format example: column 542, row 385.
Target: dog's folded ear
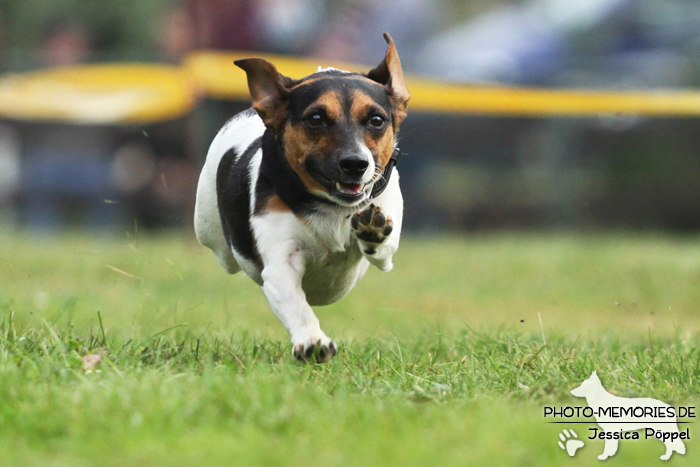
column 390, row 74
column 269, row 90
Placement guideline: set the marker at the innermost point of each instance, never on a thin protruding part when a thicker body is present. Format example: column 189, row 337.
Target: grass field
column 447, row 360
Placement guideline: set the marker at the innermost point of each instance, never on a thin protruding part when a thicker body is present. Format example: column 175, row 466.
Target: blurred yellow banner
column 141, row 93
column 221, row 79
column 98, row 94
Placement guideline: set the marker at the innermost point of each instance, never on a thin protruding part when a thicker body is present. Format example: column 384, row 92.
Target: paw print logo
column 569, row 443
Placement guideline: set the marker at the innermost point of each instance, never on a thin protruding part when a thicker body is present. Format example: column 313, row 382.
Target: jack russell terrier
column 300, row 193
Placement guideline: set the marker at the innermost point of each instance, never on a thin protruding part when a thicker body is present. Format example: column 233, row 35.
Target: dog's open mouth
column 349, row 193
column 351, row 189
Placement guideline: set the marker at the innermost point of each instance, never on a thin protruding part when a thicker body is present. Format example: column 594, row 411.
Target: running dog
column 299, row 192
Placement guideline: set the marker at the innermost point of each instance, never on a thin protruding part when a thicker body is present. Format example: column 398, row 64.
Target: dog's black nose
column 353, row 165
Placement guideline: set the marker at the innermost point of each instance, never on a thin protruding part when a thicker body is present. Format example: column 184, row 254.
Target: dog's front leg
column 283, row 270
column 377, row 228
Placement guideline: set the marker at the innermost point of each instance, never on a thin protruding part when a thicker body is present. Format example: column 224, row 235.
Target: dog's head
column 338, row 129
column 588, row 387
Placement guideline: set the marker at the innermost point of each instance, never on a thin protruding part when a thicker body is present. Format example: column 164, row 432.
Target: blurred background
column 74, row 156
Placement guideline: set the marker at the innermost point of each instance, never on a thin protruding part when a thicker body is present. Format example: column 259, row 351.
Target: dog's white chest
column 334, row 263
column 328, row 278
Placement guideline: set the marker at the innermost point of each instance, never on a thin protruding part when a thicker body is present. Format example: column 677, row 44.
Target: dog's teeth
column 350, row 188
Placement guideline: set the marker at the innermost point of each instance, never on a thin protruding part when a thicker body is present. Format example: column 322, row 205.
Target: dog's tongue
column 349, row 188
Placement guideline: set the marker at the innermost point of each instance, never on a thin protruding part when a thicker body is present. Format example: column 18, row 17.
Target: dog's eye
column 377, row 121
column 315, row 120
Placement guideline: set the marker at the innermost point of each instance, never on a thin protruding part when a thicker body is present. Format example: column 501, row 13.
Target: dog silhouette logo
column 621, row 417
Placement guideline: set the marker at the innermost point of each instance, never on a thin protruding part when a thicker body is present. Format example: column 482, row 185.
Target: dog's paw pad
column 569, row 443
column 315, row 350
column 371, row 225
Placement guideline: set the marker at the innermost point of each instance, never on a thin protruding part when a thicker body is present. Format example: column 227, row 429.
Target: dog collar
column 381, row 184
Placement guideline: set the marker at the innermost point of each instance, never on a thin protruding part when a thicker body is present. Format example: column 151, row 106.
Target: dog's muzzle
column 352, row 169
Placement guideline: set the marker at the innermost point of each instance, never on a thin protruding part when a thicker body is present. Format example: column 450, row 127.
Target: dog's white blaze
column 364, row 150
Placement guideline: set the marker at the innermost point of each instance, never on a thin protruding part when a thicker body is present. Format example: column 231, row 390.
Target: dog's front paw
column 372, row 227
column 314, row 349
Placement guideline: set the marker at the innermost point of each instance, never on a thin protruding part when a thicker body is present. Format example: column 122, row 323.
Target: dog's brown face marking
column 300, row 142
column 337, row 129
column 330, row 103
column 330, row 119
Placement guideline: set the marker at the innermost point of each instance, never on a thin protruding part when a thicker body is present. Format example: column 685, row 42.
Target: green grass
column 442, row 361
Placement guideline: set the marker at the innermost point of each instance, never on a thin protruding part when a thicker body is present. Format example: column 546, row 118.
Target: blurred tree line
column 129, row 29
column 120, row 30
